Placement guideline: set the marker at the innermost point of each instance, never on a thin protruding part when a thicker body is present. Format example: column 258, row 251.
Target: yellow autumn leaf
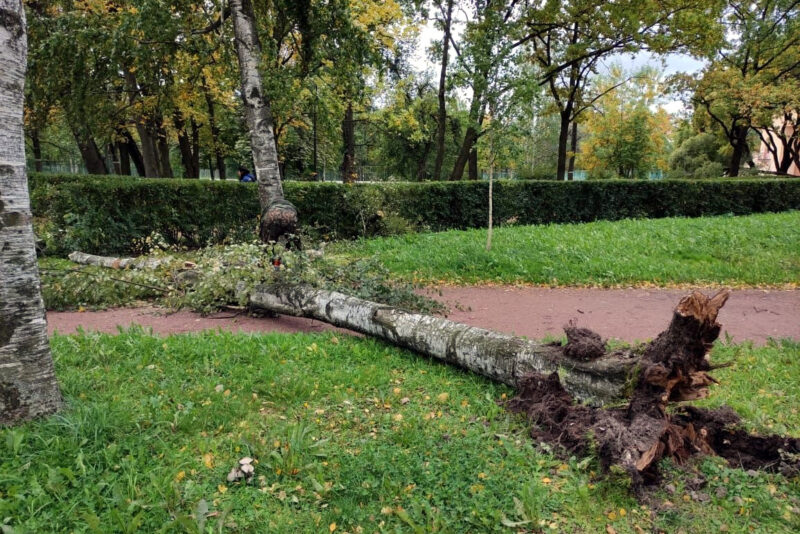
column 612, row 515
column 332, row 527
column 208, row 460
column 180, row 476
column 222, row 488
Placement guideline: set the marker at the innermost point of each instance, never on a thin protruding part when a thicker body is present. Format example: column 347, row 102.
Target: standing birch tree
column 28, row 386
column 278, row 215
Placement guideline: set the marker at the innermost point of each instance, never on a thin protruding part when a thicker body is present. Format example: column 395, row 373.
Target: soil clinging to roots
column 674, row 367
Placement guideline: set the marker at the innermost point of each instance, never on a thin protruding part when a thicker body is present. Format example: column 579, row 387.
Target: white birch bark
column 119, row 263
column 258, row 113
column 28, row 386
column 497, row 356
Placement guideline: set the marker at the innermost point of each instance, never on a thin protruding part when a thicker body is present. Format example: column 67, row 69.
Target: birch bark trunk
column 28, row 386
column 278, row 216
column 497, row 356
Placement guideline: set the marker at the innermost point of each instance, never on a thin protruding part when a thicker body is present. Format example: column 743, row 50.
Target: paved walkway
column 628, row 314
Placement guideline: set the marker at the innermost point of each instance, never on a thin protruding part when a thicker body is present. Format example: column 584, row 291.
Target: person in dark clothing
column 245, row 176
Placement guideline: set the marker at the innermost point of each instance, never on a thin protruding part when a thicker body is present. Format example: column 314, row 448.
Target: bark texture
column 119, row 263
column 258, row 113
column 497, row 356
column 28, row 386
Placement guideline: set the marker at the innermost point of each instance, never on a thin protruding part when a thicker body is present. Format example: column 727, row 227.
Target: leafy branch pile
column 221, row 276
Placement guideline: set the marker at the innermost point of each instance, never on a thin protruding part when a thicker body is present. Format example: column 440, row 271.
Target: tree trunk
column 162, row 146
column 115, row 160
column 149, row 150
column 258, row 113
column 422, row 162
column 133, row 151
column 441, row 115
column 473, row 164
column 739, row 149
column 28, row 386
column 573, row 151
column 110, row 262
column 191, row 167
column 278, row 216
column 347, row 168
column 92, row 158
column 490, row 226
column 497, row 356
column 563, row 141
column 212, row 123
column 124, row 158
column 470, row 137
column 37, row 150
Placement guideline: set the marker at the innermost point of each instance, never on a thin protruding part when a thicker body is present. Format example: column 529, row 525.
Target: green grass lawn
column 350, row 435
column 755, row 250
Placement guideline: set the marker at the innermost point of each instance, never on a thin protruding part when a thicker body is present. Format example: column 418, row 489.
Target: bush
column 110, row 215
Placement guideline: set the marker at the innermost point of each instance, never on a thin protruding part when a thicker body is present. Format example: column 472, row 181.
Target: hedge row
column 110, row 215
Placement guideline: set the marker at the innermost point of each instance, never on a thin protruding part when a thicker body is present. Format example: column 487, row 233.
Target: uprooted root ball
column 674, row 367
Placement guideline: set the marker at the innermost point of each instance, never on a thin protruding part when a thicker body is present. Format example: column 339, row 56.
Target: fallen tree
column 501, row 357
column 549, row 378
column 674, row 367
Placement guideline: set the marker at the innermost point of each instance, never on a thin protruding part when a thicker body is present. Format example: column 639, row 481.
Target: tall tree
column 570, row 40
column 28, row 386
column 761, row 52
column 278, row 216
column 441, row 114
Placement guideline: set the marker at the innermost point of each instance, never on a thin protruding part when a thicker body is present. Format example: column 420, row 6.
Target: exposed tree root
column 674, row 367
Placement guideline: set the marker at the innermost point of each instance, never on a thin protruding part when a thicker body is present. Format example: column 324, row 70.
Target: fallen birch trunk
column 497, row 356
column 143, row 262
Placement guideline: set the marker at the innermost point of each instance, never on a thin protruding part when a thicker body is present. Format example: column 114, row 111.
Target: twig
column 147, row 286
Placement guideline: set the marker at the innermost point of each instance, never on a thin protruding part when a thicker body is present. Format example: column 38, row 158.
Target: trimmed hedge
column 105, row 215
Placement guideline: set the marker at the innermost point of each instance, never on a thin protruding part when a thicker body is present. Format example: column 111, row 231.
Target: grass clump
column 754, row 250
column 349, row 434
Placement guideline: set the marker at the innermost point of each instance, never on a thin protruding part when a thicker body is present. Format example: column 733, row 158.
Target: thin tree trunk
column 441, row 115
column 347, row 168
column 490, row 226
column 162, row 145
column 476, row 111
column 422, row 162
column 573, row 150
column 563, row 141
column 212, row 124
column 115, row 160
column 37, row 150
column 28, row 386
column 195, row 146
column 473, row 163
